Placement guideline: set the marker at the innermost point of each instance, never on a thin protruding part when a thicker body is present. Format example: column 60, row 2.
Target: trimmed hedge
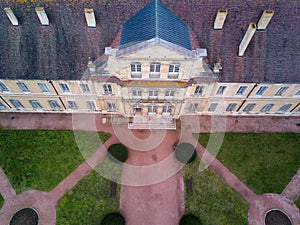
column 113, row 219
column 117, row 153
column 190, row 219
column 185, row 153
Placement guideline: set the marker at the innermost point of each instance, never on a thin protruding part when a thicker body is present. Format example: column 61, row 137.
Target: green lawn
column 265, row 162
column 41, row 159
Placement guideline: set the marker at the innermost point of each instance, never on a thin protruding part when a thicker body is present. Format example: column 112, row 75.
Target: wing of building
column 151, row 63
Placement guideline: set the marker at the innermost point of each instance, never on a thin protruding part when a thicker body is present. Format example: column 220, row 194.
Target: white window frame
column 153, row 94
column 169, row 94
column 213, row 106
column 173, row 70
column 167, row 109
column 85, row 88
column 91, row 105
column 17, row 104
column 154, row 70
column 111, row 106
column 44, row 87
column 107, row 89
column 199, row 90
column 54, row 105
column 193, row 107
column 137, row 93
column 261, row 90
column 221, row 90
column 231, row 107
column 3, row 87
column 281, row 91
column 64, row 87
column 136, row 70
column 241, row 90
column 152, row 109
column 297, row 93
column 284, row 108
column 35, row 104
column 266, row 108
column 72, row 104
column 23, row 87
column 249, row 107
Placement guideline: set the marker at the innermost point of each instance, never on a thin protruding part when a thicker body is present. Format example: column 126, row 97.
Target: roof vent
column 218, row 66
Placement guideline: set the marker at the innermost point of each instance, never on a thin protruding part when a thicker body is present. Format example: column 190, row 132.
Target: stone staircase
column 148, row 122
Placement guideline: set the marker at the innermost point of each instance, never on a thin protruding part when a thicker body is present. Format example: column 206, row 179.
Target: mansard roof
column 155, row 20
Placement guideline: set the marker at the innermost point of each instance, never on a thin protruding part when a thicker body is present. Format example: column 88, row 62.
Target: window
column 231, row 107
column 281, row 91
column 3, row 87
column 54, row 105
column 249, row 107
column 17, row 104
column 173, row 71
column 2, row 106
column 221, row 90
column 85, row 88
column 154, row 70
column 153, row 94
column 241, row 90
column 193, row 107
column 261, row 90
column 91, row 105
column 152, row 109
column 64, row 87
column 35, row 104
column 23, row 87
column 72, row 104
column 297, row 93
column 167, row 109
column 137, row 94
column 44, row 87
column 169, row 94
column 136, row 70
column 297, row 110
column 107, row 89
column 111, row 106
column 212, row 107
column 198, row 91
column 267, row 107
column 284, row 108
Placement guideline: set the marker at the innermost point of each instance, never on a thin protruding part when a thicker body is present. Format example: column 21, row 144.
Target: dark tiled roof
column 155, row 21
column 61, row 50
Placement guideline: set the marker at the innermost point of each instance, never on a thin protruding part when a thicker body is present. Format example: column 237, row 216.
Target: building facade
column 156, row 74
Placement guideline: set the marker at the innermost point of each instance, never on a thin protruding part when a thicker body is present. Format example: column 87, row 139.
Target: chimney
column 90, row 17
column 265, row 19
column 247, row 38
column 11, row 16
column 220, row 19
column 42, row 16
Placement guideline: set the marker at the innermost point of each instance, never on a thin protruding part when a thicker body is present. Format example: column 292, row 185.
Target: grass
column 39, row 159
column 264, row 162
column 88, row 202
column 212, row 201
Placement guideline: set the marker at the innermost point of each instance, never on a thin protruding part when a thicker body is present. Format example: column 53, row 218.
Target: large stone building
column 155, row 70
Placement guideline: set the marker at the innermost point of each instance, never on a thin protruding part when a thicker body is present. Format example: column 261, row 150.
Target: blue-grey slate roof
column 155, row 21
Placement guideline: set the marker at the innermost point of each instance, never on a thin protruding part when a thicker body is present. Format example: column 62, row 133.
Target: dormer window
column 136, row 70
column 198, row 91
column 3, row 87
column 173, row 71
column 23, row 87
column 154, row 70
column 64, row 87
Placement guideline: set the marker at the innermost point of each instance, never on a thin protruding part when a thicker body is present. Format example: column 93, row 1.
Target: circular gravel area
column 26, row 216
column 277, row 217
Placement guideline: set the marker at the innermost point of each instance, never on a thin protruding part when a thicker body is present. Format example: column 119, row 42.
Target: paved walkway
column 151, row 176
